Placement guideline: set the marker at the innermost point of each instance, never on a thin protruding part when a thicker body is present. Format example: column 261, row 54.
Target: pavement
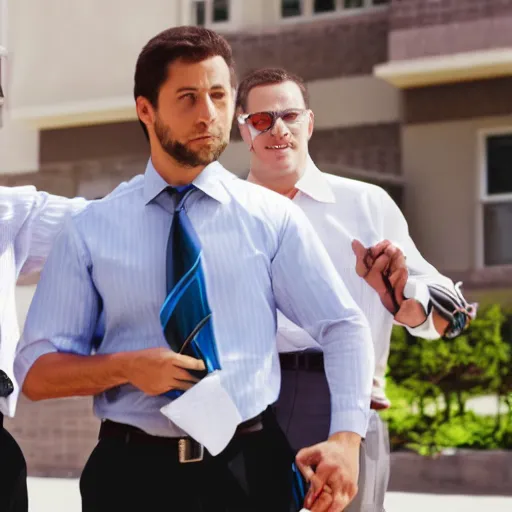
column 62, row 495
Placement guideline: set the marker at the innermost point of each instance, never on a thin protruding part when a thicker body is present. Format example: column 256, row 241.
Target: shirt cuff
column 426, row 330
column 26, row 358
column 350, row 421
column 417, row 290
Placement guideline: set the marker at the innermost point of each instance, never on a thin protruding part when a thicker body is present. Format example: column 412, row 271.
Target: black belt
column 188, row 450
column 308, row 361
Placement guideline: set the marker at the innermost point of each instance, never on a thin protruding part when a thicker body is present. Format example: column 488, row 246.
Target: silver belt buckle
column 190, row 451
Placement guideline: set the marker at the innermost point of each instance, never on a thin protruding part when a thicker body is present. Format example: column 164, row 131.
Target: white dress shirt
column 342, row 210
column 29, row 222
column 259, row 252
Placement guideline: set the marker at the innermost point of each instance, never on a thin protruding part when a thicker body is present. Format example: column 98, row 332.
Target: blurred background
column 412, row 95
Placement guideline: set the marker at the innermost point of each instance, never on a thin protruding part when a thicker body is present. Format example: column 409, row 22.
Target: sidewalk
column 62, row 495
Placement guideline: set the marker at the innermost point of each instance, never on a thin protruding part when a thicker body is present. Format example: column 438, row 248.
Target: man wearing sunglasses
column 367, row 238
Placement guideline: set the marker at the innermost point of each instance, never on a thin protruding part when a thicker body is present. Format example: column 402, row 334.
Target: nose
column 207, row 110
column 280, row 129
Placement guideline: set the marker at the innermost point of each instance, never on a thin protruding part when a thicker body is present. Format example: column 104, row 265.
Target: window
column 220, row 10
column 496, row 197
column 198, row 13
column 206, row 12
column 292, row 8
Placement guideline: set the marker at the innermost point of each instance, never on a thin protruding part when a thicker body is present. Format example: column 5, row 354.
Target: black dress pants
column 252, row 474
column 13, row 474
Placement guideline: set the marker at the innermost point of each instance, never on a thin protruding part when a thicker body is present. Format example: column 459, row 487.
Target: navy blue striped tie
column 186, row 315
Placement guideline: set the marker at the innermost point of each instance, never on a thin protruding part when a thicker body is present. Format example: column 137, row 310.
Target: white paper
column 206, row 413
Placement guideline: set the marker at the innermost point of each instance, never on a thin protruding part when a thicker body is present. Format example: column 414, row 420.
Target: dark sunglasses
column 264, row 121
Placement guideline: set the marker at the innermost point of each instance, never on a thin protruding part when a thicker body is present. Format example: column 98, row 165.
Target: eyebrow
column 195, row 89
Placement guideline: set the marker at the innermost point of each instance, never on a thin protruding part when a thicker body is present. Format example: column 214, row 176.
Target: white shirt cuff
column 350, row 421
column 426, row 330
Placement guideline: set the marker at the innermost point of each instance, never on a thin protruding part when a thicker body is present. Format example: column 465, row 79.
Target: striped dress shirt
column 29, row 223
column 259, row 253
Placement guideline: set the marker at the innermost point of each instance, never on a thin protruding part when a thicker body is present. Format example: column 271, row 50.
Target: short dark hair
column 188, row 43
column 267, row 76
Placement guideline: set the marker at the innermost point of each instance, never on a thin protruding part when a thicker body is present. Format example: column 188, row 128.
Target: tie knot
column 180, row 193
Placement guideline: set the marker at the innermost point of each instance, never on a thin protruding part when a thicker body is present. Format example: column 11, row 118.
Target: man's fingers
column 360, row 253
column 183, row 375
column 187, row 362
column 322, row 503
column 379, row 248
column 184, row 385
column 398, row 280
column 339, row 502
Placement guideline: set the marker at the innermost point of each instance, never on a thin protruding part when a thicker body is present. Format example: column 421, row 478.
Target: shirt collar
column 314, row 184
column 210, row 181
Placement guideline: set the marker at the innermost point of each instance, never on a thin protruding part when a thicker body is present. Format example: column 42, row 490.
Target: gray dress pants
column 304, row 413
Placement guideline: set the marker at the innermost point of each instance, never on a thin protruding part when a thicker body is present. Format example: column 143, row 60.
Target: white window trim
column 308, row 14
column 482, row 197
column 208, row 19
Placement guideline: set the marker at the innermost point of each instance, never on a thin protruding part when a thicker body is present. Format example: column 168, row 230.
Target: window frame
column 308, row 13
column 208, row 18
column 483, row 198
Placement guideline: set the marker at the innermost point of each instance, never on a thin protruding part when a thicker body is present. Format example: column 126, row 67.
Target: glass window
column 324, row 6
column 291, row 8
column 499, row 164
column 497, row 211
column 220, row 10
column 199, row 13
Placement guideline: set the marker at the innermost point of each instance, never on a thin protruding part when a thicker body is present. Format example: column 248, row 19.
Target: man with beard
column 192, row 237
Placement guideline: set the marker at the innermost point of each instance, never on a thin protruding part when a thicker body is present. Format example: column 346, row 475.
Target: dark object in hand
column 6, row 385
column 453, row 307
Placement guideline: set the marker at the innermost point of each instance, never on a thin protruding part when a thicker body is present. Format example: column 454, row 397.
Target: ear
column 311, row 124
column 244, row 130
column 145, row 111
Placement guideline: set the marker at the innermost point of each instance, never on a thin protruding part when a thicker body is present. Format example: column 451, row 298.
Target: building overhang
column 459, row 67
column 67, row 115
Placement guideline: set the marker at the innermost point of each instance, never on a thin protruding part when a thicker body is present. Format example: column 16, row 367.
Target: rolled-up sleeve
column 311, row 293
column 64, row 311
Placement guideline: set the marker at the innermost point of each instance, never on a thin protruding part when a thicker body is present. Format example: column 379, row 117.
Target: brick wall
column 421, row 13
column 449, row 102
column 56, row 436
column 422, row 28
column 370, row 147
column 343, row 46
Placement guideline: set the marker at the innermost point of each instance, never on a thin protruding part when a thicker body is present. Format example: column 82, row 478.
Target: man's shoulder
column 350, row 186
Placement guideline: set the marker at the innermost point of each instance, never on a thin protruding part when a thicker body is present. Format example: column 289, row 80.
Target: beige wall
column 441, row 168
column 69, row 53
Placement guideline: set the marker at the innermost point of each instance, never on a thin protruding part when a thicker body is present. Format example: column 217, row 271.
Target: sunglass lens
column 261, row 121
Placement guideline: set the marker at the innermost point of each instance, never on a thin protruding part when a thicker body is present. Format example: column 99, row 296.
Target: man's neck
column 172, row 172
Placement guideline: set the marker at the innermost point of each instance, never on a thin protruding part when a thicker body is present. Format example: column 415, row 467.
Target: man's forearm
column 58, row 375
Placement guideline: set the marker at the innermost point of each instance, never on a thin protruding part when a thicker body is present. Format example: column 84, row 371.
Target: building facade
column 412, row 95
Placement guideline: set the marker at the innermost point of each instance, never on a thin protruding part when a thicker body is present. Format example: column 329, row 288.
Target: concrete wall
column 441, row 168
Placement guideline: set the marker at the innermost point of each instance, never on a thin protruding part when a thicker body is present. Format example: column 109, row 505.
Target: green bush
column 429, row 383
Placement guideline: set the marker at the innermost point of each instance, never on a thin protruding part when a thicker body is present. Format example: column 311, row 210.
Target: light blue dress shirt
column 259, row 253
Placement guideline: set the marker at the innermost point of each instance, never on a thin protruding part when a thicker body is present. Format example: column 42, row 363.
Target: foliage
column 429, row 383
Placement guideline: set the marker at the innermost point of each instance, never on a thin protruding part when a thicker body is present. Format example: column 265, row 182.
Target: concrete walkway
column 62, row 495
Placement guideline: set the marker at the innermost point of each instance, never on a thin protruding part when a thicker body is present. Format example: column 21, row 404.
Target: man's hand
column 332, row 468
column 384, row 268
column 158, row 370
